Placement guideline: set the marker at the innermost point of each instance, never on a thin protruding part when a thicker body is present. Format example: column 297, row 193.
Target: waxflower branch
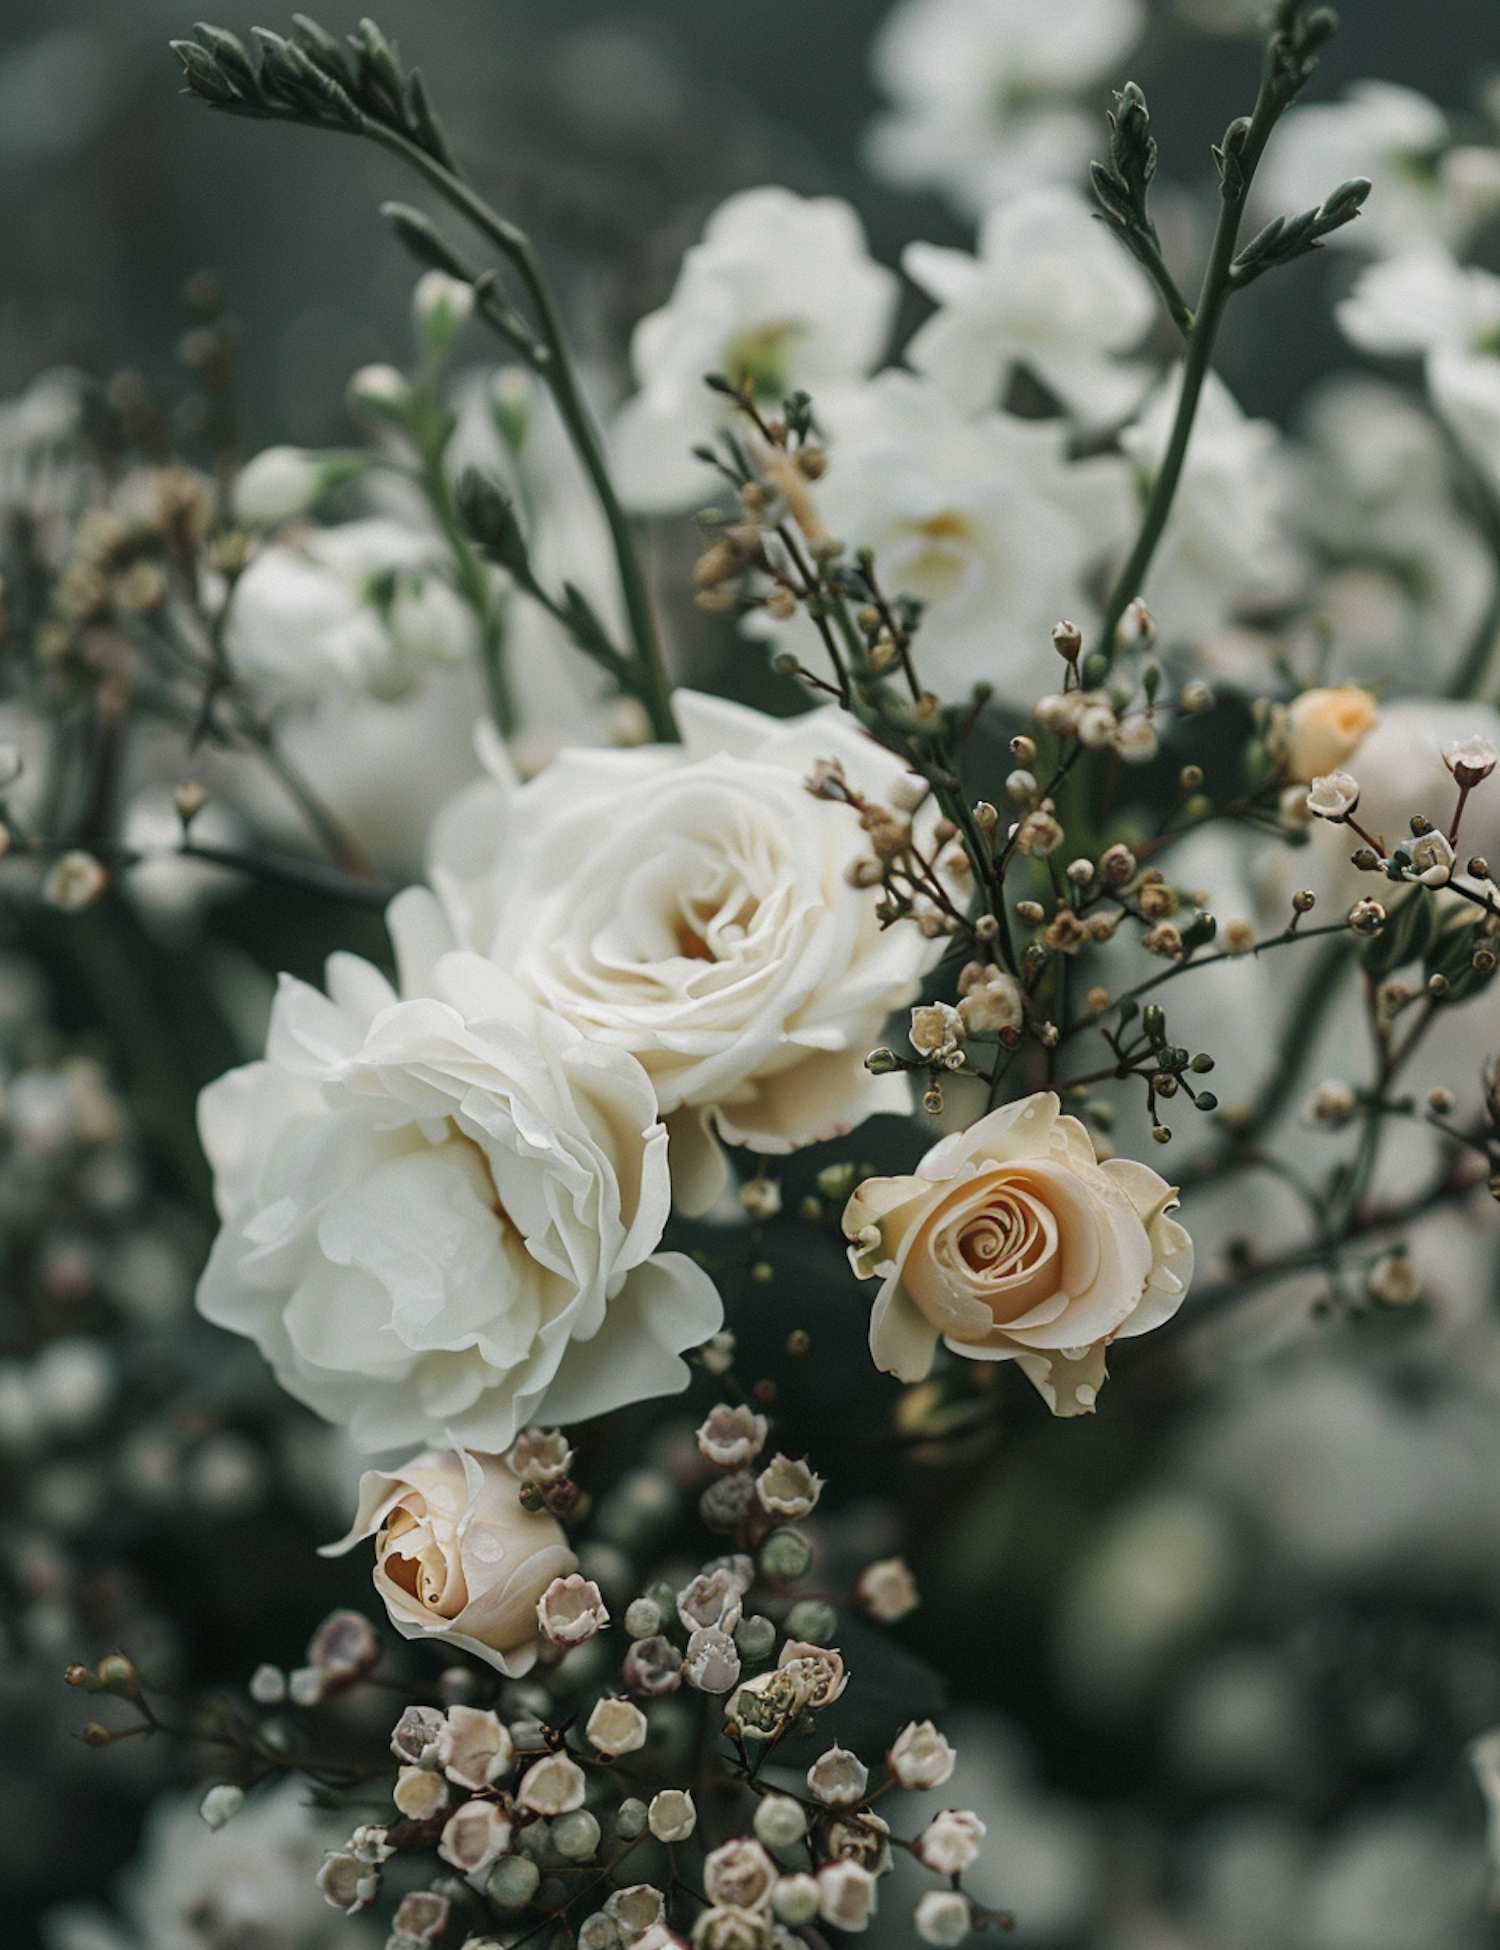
column 311, row 80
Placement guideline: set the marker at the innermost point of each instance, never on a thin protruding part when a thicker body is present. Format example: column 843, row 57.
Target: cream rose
column 440, row 1213
column 691, row 905
column 1013, row 1242
column 1324, row 728
column 458, row 1558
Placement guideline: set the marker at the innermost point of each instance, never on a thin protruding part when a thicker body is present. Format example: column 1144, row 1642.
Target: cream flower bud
column 615, row 1727
column 553, row 1785
column 417, row 1736
column 1432, row 859
column 787, row 1488
column 1136, row 740
column 711, row 1663
column 820, row 1669
column 796, row 1900
column 671, row 1816
column 1471, row 761
column 379, row 389
column 74, row 881
column 921, row 1757
column 838, row 1778
column 739, row 1873
column 474, row 1836
column 725, row 1928
column 571, row 1610
column 780, row 1822
column 1097, row 725
column 1326, row 727
column 635, row 1908
column 731, row 1438
column 457, row 1557
column 1334, row 797
column 422, row 1914
column 715, row 1596
column 345, row 1646
column 846, row 1895
column 949, row 1843
column 221, row 1804
column 943, row 1916
column 1332, row 1103
column 419, row 1793
column 887, row 1590
column 540, row 1456
column 652, row 1666
column 997, row 1003
column 347, row 1883
column 936, row 1028
column 440, row 304
column 474, row 1749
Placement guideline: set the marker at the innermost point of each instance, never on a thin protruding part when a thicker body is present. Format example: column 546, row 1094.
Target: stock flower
column 780, row 293
column 440, row 1213
column 460, row 1560
column 982, row 92
column 1326, row 727
column 690, row 905
column 1423, row 187
column 1049, row 293
column 1013, row 1242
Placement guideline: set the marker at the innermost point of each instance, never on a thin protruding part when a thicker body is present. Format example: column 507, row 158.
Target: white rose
column 1012, row 1242
column 440, row 1214
column 690, row 904
column 458, row 1558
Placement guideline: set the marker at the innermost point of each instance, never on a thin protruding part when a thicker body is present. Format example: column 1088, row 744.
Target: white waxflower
column 361, row 608
column 1471, row 760
column 1224, row 540
column 1423, row 188
column 1334, row 797
column 1050, row 292
column 1428, row 305
column 983, row 90
column 983, row 519
column 671, row 1815
column 921, row 1757
column 690, row 904
column 782, row 292
column 440, row 1212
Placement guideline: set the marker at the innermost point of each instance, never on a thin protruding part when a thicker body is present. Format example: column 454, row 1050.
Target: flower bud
column 553, row 1785
column 838, row 1778
column 671, row 1816
column 921, row 1757
column 846, row 1895
column 943, row 1917
column 615, row 1727
column 788, row 1488
column 785, row 1556
column 1471, row 761
column 440, row 306
column 571, row 1610
column 780, row 1822
column 221, row 1804
column 796, row 1900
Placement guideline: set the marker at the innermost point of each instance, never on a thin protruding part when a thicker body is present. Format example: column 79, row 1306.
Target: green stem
column 1218, row 284
column 475, row 587
column 556, row 369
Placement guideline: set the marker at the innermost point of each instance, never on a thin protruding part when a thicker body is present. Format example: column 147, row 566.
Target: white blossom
column 780, row 293
column 982, row 92
column 1051, row 293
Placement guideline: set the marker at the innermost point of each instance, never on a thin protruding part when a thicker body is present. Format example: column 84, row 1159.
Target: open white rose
column 690, row 904
column 1013, row 1242
column 458, row 1557
column 440, row 1214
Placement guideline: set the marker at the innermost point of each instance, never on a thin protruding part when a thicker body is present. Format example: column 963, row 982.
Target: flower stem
column 554, row 366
